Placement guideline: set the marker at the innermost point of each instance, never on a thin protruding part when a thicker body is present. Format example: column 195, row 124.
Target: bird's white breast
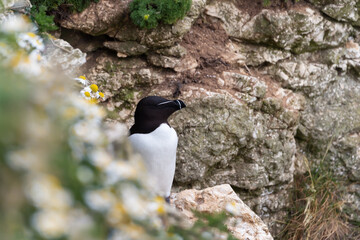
column 158, row 150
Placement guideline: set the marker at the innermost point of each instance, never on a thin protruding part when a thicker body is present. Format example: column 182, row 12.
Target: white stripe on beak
column 164, row 103
column 179, row 103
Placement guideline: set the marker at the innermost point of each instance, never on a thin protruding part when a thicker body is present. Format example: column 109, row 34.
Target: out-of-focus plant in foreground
column 71, row 186
column 63, row 175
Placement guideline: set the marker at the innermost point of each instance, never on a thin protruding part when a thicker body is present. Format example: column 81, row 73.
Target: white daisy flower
column 78, row 222
column 30, row 41
column 82, row 80
column 50, row 223
column 157, row 206
column 119, row 170
column 233, row 208
column 133, row 202
column 99, row 200
column 5, row 51
column 26, row 64
column 100, row 158
column 45, row 191
column 16, row 23
column 86, row 92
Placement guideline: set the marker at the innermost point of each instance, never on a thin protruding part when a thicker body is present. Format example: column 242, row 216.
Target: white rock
column 248, row 226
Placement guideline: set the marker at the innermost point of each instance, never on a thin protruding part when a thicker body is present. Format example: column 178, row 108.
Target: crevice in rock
column 85, row 42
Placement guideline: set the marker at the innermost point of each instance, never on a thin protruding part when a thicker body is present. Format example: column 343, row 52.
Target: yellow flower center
column 87, row 94
column 26, row 18
column 119, row 208
column 146, row 17
column 93, row 101
column 161, row 209
column 16, row 59
column 101, row 94
column 27, row 59
column 54, row 181
column 31, row 34
column 159, row 199
column 82, row 77
column 51, row 36
column 94, row 87
column 70, row 112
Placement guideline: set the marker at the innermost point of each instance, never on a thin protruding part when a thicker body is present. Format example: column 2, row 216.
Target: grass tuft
column 317, row 210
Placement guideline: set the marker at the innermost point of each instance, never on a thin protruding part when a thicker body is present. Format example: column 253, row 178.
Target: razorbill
column 156, row 141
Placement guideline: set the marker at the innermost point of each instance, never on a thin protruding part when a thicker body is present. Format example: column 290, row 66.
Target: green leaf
column 149, row 13
column 45, row 23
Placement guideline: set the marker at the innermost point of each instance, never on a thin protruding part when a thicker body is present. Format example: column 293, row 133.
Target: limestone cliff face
column 264, row 90
column 244, row 224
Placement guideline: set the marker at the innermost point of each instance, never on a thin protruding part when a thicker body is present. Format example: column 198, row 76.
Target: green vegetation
column 144, row 13
column 74, row 5
column 45, row 22
column 317, row 209
column 13, row 99
column 149, row 13
column 266, row 3
column 207, row 226
column 42, row 7
column 111, row 68
column 127, row 96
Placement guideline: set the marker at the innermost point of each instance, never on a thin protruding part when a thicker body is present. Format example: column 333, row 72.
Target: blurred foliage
column 63, row 174
column 45, row 22
column 13, row 101
column 74, row 5
column 204, row 226
column 266, row 3
column 14, row 98
column 149, row 13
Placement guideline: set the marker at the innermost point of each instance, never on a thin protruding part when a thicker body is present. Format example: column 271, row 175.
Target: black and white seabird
column 156, row 141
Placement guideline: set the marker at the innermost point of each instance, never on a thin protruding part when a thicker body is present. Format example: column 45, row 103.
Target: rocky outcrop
column 264, row 93
column 329, row 80
column 63, row 56
column 298, row 30
column 129, row 39
column 341, row 10
column 249, row 143
column 93, row 19
column 245, row 224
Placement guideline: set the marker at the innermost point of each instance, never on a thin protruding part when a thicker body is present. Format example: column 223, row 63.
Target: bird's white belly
column 158, row 150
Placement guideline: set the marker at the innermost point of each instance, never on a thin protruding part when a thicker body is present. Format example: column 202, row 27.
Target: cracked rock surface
column 265, row 91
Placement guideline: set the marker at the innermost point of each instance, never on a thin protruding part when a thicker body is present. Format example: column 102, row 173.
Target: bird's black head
column 152, row 111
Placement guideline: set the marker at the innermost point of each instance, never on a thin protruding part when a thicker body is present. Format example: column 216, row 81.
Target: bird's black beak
column 174, row 103
column 180, row 104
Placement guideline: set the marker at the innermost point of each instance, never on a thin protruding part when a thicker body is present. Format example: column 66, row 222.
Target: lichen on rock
column 293, row 30
column 61, row 54
column 272, row 89
column 245, row 224
column 341, row 10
